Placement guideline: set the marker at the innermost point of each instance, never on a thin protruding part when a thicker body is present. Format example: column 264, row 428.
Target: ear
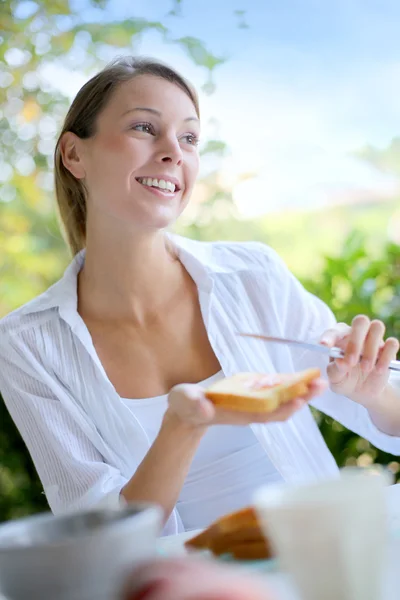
column 72, row 155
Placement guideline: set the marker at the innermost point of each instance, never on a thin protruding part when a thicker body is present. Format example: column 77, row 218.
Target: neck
column 131, row 277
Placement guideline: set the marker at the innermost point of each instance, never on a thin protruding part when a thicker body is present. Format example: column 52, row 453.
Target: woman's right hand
column 188, row 404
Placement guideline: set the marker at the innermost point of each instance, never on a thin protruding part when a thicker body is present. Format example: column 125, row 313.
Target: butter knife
column 331, row 352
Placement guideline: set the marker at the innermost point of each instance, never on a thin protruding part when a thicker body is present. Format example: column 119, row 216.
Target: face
column 140, row 166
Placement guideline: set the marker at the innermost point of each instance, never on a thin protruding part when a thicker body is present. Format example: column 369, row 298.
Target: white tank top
column 226, row 470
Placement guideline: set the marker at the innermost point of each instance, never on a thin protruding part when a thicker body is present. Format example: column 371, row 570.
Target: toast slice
column 238, row 534
column 260, row 393
column 238, row 520
column 255, row 550
column 230, row 525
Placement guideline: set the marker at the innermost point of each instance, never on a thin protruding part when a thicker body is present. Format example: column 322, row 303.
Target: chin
column 159, row 219
column 156, row 222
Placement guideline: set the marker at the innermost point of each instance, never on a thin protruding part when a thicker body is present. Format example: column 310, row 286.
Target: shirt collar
column 63, row 295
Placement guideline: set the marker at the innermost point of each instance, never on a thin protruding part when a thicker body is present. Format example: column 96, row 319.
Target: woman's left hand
column 365, row 380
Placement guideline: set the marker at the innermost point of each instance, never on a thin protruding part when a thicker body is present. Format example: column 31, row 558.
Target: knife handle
column 338, row 353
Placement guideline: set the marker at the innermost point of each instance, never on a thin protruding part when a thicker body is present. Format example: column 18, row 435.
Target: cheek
column 114, row 145
column 192, row 170
column 114, row 153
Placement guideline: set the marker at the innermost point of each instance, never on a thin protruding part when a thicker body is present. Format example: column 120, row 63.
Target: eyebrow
column 153, row 111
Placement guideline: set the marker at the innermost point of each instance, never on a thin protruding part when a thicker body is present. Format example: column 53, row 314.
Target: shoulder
column 233, row 257
column 27, row 316
column 239, row 256
column 29, row 320
column 35, row 337
column 60, row 297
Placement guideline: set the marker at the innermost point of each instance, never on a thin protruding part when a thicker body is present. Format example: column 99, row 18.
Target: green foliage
column 217, row 147
column 74, row 36
column 359, row 282
column 356, row 282
column 387, row 160
column 21, row 492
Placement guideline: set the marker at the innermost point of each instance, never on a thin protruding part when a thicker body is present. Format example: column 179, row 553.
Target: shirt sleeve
column 72, row 471
column 306, row 317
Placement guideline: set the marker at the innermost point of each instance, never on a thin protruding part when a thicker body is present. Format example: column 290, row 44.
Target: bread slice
column 220, row 542
column 238, row 534
column 231, row 525
column 238, row 520
column 260, row 393
column 257, row 550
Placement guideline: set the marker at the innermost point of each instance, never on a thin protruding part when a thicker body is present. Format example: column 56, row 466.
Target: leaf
column 240, row 14
column 119, row 34
column 217, row 147
column 199, row 54
column 63, row 42
column 31, row 110
column 176, row 10
column 56, row 7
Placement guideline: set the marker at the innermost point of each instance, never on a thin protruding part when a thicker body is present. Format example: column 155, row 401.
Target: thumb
column 189, row 402
column 337, row 370
column 332, row 336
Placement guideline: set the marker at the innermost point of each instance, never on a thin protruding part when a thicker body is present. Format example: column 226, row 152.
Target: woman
column 103, row 374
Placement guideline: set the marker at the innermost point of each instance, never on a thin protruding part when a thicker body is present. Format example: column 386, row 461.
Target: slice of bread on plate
column 260, row 393
column 237, row 534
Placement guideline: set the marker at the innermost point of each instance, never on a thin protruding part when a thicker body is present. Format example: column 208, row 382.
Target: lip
column 173, row 180
column 163, row 194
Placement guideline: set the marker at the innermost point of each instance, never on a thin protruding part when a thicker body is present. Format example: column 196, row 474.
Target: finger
column 373, row 343
column 359, row 330
column 285, row 411
column 337, row 370
column 387, row 354
column 331, row 336
column 190, row 404
column 316, row 388
column 207, row 409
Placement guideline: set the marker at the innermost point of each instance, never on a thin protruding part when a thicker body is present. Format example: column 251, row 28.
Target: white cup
column 331, row 537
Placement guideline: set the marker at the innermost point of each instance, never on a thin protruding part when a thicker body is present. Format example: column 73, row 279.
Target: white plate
column 173, row 545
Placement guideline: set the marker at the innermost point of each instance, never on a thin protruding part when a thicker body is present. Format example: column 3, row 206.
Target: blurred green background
column 347, row 254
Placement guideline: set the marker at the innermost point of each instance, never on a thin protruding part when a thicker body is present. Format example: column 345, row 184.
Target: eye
column 144, row 127
column 191, row 138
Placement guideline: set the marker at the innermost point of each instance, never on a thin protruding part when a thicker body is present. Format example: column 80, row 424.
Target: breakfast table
column 281, row 584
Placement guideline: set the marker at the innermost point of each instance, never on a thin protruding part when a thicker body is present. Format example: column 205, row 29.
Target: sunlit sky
column 307, row 84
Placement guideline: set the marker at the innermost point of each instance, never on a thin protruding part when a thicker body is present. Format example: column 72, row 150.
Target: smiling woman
column 104, row 374
column 113, row 128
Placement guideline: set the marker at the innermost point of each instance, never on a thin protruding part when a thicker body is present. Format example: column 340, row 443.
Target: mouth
column 165, row 186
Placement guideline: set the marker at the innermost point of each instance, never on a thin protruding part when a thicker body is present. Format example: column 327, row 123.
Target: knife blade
column 333, row 352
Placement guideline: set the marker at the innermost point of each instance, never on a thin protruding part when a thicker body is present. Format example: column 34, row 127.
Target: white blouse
column 86, row 443
column 228, row 466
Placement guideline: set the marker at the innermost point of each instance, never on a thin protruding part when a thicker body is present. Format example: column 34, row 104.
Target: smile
column 163, row 185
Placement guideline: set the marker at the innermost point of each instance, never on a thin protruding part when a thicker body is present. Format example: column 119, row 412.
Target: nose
column 170, row 151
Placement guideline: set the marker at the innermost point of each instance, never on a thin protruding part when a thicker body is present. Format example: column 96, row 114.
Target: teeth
column 162, row 184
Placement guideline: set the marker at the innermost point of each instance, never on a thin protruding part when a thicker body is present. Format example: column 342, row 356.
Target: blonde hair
column 81, row 118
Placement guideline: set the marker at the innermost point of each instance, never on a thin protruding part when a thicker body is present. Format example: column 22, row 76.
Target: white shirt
column 228, row 466
column 86, row 443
